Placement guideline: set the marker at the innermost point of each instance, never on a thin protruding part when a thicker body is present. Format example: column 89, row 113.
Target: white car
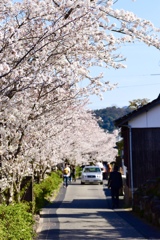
column 92, row 174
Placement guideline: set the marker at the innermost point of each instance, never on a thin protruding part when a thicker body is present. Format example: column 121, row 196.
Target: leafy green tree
column 137, row 103
column 108, row 115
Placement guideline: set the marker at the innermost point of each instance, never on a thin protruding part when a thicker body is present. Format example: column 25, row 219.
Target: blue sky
column 141, row 78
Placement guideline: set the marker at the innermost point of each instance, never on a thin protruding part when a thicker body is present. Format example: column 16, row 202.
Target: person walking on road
column 66, row 175
column 73, row 173
column 115, row 183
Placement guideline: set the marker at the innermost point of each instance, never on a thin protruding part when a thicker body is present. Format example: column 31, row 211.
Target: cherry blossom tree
column 46, row 42
column 39, row 145
column 47, row 51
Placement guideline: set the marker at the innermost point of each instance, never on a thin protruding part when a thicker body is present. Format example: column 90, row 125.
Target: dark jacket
column 115, row 180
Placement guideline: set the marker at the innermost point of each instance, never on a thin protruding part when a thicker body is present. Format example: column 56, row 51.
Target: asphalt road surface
column 83, row 212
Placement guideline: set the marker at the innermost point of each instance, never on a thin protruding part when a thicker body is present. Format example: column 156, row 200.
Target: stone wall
column 146, row 201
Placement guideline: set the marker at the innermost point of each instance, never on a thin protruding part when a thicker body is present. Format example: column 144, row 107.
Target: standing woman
column 115, row 183
column 66, row 175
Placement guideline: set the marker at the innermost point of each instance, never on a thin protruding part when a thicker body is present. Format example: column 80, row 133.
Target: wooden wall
column 145, row 154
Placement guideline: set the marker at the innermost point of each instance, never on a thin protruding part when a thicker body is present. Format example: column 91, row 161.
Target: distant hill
column 108, row 115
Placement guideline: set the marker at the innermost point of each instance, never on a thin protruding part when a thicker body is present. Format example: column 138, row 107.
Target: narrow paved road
column 83, row 212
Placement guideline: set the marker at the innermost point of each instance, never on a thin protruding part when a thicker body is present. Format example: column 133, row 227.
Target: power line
column 141, row 85
column 137, row 75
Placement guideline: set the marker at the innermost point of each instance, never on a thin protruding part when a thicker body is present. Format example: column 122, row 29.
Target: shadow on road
column 116, row 218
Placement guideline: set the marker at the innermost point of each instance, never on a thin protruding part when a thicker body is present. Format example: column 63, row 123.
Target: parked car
column 92, row 174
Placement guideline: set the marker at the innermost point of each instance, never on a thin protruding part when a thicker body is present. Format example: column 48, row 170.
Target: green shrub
column 45, row 189
column 16, row 222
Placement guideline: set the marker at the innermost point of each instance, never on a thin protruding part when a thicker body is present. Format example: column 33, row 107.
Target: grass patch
column 45, row 190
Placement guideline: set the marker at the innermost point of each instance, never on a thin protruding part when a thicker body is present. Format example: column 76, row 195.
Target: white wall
column 147, row 119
